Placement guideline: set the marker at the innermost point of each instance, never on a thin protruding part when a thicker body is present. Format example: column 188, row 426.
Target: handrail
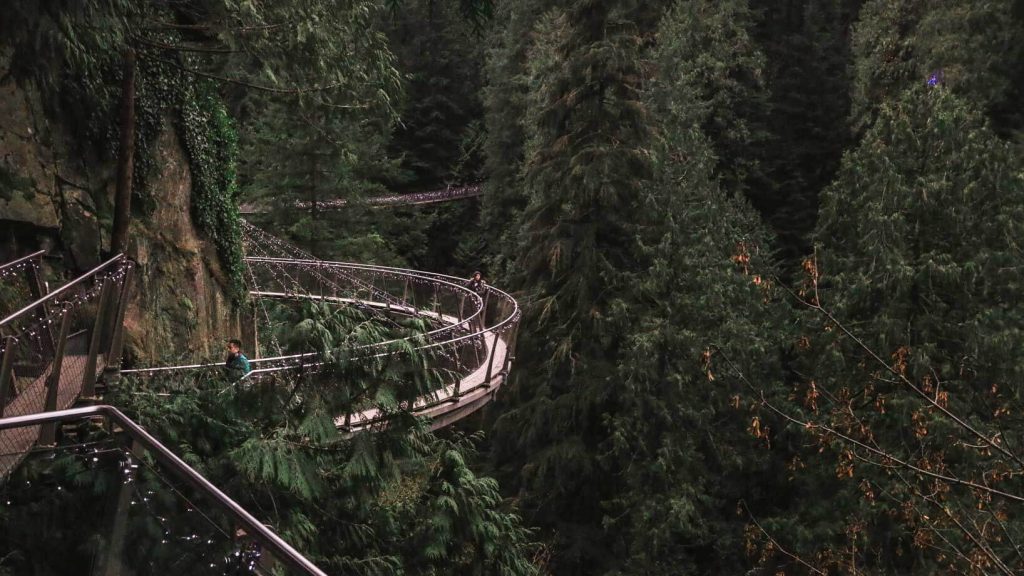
column 448, row 282
column 14, row 263
column 429, row 197
column 510, row 318
column 446, row 278
column 278, row 547
column 59, row 291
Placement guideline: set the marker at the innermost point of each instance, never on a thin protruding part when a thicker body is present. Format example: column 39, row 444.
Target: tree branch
column 902, row 378
column 850, row 440
column 237, row 82
column 199, row 49
column 776, row 544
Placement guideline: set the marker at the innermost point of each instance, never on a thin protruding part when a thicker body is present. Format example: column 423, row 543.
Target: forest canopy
column 768, row 255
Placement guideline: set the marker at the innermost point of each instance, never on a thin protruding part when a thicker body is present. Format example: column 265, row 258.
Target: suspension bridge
column 447, row 194
column 64, row 346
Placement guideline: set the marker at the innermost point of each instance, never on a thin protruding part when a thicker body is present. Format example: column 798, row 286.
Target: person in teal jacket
column 236, row 363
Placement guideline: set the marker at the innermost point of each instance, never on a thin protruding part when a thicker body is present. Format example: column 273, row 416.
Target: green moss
column 212, row 146
column 164, row 91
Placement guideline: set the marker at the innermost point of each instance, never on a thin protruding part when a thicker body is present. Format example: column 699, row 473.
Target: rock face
column 179, row 311
column 55, row 195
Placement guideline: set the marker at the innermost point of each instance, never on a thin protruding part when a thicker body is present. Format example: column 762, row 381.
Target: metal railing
column 280, row 550
column 21, row 281
column 447, row 194
column 473, row 334
column 52, row 349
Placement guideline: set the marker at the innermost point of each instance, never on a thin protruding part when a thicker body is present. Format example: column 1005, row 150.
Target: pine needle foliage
column 586, row 157
column 721, row 89
column 275, row 447
column 973, row 47
column 908, row 382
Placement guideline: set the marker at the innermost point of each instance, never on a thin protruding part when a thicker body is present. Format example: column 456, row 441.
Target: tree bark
column 125, row 158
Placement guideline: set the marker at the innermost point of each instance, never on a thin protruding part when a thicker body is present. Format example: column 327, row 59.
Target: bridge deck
column 446, row 406
column 15, row 443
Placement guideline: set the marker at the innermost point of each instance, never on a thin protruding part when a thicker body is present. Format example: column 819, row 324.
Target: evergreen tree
column 505, row 100
column 974, row 47
column 807, row 52
column 908, row 378
column 706, row 311
column 441, row 56
column 701, row 315
column 721, row 88
column 586, row 160
column 393, row 501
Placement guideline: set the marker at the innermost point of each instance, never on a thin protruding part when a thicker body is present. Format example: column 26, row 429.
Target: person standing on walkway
column 237, row 364
column 477, row 284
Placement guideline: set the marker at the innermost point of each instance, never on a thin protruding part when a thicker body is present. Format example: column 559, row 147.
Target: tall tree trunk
column 125, row 158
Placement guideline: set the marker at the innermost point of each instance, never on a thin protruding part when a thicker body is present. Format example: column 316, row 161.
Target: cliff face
column 55, row 195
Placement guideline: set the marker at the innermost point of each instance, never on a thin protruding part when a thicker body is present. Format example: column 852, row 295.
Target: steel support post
column 113, row 367
column 112, row 563
column 89, row 375
column 48, row 433
column 457, row 393
column 38, row 290
column 483, row 311
column 7, row 373
column 109, row 319
column 510, row 348
column 490, row 363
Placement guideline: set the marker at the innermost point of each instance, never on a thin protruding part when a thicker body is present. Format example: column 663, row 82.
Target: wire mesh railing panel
column 108, row 496
column 20, row 282
column 54, row 348
column 469, row 335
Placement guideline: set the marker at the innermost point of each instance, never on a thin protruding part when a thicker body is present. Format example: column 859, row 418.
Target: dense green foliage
column 675, row 410
column 918, row 236
column 399, row 501
column 212, row 146
column 975, row 47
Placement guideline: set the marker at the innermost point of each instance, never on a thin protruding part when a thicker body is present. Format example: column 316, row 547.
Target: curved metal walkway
column 474, row 334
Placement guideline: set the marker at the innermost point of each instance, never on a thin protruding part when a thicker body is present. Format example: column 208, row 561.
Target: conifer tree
column 702, row 313
column 974, row 47
column 807, row 52
column 721, row 89
column 505, row 96
column 586, row 159
column 908, row 370
column 705, row 312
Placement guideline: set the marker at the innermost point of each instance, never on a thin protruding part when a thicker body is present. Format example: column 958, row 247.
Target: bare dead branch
column 886, row 456
column 776, row 544
column 199, row 49
column 902, row 378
